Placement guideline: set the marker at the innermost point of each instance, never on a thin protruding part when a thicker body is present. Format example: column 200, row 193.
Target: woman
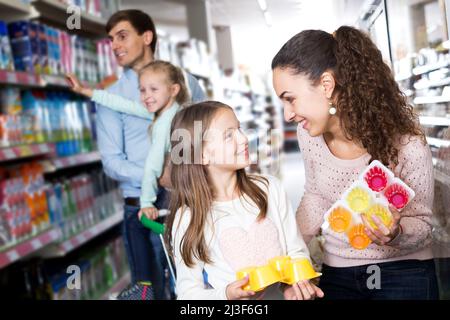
column 350, row 111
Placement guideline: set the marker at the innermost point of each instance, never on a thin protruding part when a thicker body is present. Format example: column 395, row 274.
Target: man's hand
column 150, row 212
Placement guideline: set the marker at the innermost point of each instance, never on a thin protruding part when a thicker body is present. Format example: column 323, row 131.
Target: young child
column 163, row 92
column 222, row 219
column 350, row 111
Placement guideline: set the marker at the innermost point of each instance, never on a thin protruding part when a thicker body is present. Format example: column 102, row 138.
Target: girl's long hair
column 192, row 186
column 371, row 107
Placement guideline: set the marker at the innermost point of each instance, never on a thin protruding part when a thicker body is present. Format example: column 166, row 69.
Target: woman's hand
column 77, row 87
column 149, row 212
column 383, row 235
column 234, row 290
column 302, row 290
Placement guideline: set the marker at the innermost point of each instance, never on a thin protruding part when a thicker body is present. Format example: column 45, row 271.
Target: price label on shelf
column 67, row 246
column 71, row 161
column 13, row 255
column 36, row 244
column 31, row 79
column 58, row 164
column 11, row 77
column 44, row 148
column 25, row 151
column 9, row 153
column 81, row 238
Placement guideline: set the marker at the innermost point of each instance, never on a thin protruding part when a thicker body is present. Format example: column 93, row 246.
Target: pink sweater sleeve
column 312, row 206
column 415, row 168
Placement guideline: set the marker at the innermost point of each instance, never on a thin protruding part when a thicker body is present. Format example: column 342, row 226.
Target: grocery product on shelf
column 25, row 45
column 41, row 49
column 100, row 269
column 102, row 265
column 77, row 203
column 37, row 116
column 23, row 204
column 6, row 58
column 29, row 204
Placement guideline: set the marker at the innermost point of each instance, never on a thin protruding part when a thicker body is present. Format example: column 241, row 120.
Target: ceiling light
column 262, row 5
column 268, row 18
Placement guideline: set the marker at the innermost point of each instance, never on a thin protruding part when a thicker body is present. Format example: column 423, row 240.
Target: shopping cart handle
column 156, row 227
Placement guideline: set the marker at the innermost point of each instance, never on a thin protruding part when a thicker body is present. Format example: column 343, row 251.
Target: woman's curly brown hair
column 370, row 105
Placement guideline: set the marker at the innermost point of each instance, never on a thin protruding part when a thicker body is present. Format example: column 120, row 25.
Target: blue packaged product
column 6, row 58
column 25, row 45
column 43, row 49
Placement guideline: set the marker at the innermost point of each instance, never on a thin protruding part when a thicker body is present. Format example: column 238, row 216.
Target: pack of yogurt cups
column 370, row 195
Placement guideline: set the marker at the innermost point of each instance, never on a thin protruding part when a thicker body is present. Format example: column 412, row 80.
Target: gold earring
column 332, row 110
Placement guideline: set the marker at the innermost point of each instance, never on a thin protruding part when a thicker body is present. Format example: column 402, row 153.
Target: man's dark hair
column 140, row 21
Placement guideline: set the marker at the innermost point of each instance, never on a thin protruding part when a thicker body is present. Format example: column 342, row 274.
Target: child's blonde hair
column 174, row 75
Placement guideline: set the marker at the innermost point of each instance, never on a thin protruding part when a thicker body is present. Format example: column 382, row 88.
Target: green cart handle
column 156, row 227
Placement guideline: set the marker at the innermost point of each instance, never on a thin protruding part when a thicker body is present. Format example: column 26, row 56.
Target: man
column 124, row 143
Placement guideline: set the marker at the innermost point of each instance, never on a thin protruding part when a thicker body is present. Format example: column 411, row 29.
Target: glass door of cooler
column 418, row 33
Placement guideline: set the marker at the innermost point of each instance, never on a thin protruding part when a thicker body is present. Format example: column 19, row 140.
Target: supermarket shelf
column 434, row 121
column 266, row 162
column 25, row 151
column 118, row 286
column 51, row 80
column 27, row 247
column 438, row 142
column 53, row 165
column 200, row 75
column 27, row 79
column 432, row 84
column 55, row 12
column 402, row 77
column 20, row 78
column 426, row 100
column 442, row 177
column 246, row 118
column 434, row 160
column 14, row 6
column 427, row 68
column 290, row 129
column 64, row 247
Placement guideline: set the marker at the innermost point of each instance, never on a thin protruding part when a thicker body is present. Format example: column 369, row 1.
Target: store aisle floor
column 293, row 177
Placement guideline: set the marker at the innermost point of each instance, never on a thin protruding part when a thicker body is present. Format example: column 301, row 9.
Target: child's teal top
column 159, row 139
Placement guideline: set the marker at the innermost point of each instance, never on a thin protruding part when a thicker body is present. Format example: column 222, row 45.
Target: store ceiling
column 247, row 21
column 244, row 12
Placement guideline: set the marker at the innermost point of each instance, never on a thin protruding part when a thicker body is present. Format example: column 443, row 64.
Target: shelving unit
column 26, row 151
column 89, row 197
column 431, row 100
column 55, row 13
column 428, row 81
column 63, row 247
column 430, row 67
column 434, row 121
column 20, row 78
column 27, row 247
column 13, row 9
column 53, row 165
column 31, row 80
column 438, row 142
